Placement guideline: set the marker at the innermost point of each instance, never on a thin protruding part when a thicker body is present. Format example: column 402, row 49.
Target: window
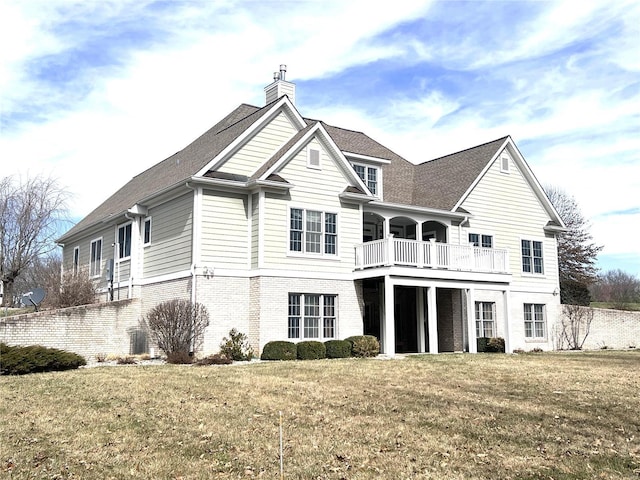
column 485, row 319
column 369, row 175
column 76, row 259
column 146, row 232
column 478, row 240
column 95, row 260
column 124, row 241
column 311, row 231
column 532, row 256
column 534, row 321
column 312, row 316
column 313, row 158
column 504, row 164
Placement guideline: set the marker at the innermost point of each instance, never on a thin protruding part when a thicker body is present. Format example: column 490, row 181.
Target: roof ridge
column 464, row 150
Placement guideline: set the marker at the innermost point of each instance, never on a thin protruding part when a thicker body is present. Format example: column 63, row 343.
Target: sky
column 93, row 92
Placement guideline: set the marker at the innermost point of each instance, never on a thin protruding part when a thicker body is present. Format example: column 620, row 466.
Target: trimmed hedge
column 279, row 350
column 311, row 350
column 338, row 348
column 364, row 345
column 35, row 358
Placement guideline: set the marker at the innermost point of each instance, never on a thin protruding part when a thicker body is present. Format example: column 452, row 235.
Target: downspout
column 194, row 247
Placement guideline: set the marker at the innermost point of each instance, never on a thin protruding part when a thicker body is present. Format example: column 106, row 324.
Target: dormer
column 369, row 169
column 280, row 87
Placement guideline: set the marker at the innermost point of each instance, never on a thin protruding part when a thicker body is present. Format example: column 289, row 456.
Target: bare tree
column 577, row 253
column 617, row 287
column 29, row 213
column 576, row 325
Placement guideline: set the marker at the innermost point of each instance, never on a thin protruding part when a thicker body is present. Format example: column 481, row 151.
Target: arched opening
column 433, row 229
column 403, row 227
column 373, row 227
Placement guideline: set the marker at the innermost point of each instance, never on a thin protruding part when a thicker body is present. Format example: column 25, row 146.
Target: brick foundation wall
column 103, row 328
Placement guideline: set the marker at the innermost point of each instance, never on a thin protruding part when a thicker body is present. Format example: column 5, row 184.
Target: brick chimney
column 280, row 87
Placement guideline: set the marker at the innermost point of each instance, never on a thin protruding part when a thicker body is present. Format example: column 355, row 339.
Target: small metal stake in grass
column 281, row 460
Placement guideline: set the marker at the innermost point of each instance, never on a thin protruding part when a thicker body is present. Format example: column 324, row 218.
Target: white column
column 506, row 295
column 471, row 321
column 135, row 253
column 389, row 343
column 432, row 319
column 421, row 320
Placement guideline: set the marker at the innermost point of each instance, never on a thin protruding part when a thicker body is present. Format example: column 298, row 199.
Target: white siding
column 317, row 190
column 255, row 229
column 261, row 147
column 224, row 230
column 171, row 229
column 505, row 206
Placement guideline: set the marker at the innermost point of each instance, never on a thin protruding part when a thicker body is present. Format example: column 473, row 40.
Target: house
column 288, row 228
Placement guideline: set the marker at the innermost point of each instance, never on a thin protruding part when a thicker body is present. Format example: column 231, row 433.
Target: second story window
column 369, row 175
column 478, row 240
column 95, row 261
column 312, row 231
column 124, row 241
column 532, row 256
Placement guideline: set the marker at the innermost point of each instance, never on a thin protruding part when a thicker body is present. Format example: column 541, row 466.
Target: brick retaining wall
column 86, row 330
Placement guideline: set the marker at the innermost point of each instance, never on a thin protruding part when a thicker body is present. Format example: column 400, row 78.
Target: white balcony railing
column 414, row 253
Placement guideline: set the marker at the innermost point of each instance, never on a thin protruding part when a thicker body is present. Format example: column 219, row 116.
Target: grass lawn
column 485, row 416
column 632, row 307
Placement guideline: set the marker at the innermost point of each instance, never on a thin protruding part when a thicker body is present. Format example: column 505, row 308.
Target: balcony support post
column 389, row 327
column 432, row 319
column 471, row 321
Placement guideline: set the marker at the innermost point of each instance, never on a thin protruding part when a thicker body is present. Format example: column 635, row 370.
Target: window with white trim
column 124, row 241
column 532, row 261
column 369, row 175
column 479, row 240
column 76, row 259
column 485, row 319
column 504, row 164
column 146, row 231
column 535, row 325
column 95, row 259
column 312, row 231
column 313, row 158
column 312, row 316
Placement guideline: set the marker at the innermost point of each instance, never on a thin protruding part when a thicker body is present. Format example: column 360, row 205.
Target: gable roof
column 442, row 182
column 175, row 169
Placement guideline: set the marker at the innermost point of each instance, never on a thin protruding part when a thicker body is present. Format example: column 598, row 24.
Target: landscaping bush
column 180, row 358
column 32, row 359
column 236, row 347
column 495, row 345
column 337, row 348
column 311, row 350
column 279, row 350
column 178, row 326
column 481, row 343
column 215, row 359
column 364, row 345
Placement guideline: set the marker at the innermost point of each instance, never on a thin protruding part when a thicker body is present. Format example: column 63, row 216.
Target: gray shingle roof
column 441, row 183
column 176, row 169
column 437, row 183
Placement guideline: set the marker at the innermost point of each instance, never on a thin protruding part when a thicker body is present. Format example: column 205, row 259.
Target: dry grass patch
column 560, row 416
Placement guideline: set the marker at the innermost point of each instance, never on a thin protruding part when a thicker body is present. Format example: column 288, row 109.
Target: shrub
column 215, row 359
column 311, row 350
column 178, row 326
column 279, row 350
column 101, row 357
column 32, row 359
column 70, row 290
column 364, row 345
column 236, row 347
column 337, row 348
column 481, row 342
column 126, row 360
column 179, row 358
column 495, row 345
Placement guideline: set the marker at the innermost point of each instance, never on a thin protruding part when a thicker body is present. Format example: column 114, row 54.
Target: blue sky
column 94, row 92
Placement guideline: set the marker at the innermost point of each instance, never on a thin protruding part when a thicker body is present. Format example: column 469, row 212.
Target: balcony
column 414, row 253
